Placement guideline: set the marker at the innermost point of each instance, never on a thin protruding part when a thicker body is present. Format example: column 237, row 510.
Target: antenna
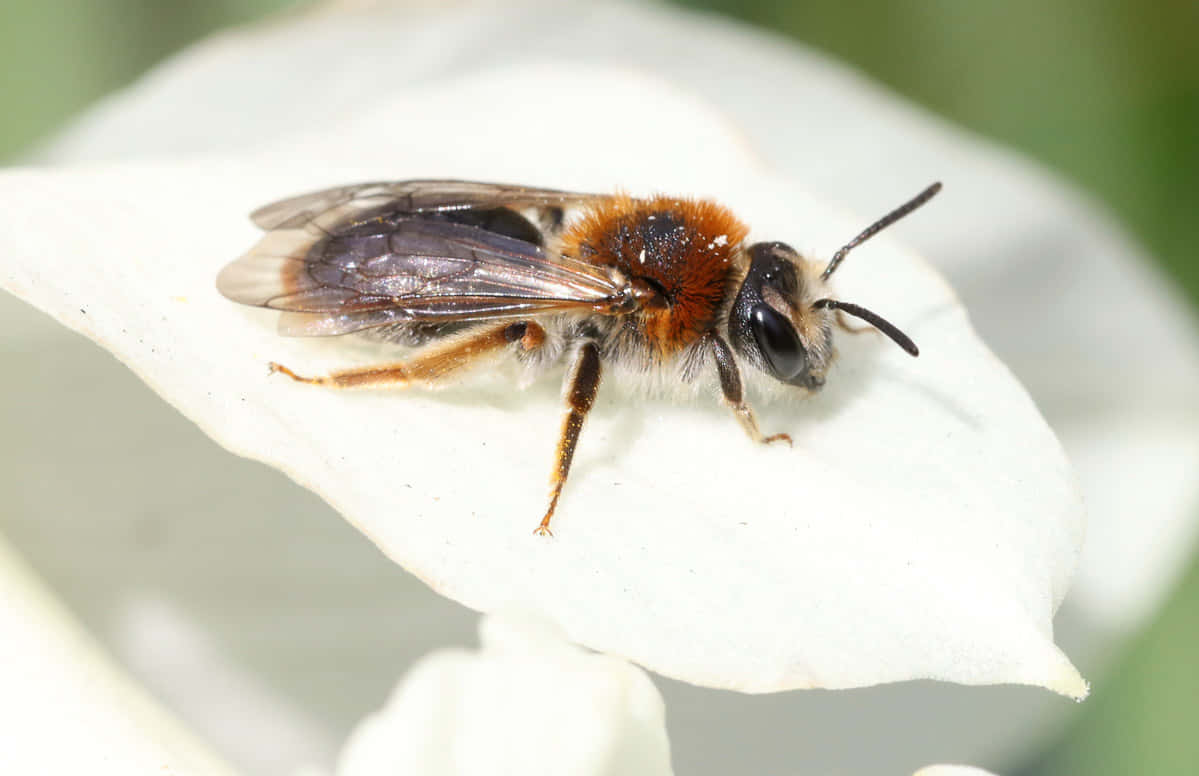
column 877, row 227
column 874, row 319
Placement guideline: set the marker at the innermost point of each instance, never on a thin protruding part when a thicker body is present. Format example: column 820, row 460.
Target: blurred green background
column 1106, row 92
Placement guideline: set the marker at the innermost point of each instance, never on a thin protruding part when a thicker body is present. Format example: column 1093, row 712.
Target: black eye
column 778, row 341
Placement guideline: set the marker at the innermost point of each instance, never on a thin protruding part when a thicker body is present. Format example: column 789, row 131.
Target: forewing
column 405, row 267
column 335, row 205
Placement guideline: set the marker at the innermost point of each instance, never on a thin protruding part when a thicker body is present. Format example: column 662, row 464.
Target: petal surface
column 925, row 525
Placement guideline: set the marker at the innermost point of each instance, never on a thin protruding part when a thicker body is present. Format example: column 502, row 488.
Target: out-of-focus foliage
column 1141, row 719
column 59, row 56
column 1104, row 91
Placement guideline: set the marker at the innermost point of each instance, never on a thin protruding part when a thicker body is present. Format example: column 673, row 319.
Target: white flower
column 803, row 114
column 920, row 491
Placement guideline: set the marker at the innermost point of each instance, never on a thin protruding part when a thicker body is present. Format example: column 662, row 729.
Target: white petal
column 525, row 703
column 925, row 525
column 1038, row 269
column 65, row 708
column 951, row 770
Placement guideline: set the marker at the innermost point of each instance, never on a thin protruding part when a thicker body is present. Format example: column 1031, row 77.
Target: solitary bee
column 662, row 288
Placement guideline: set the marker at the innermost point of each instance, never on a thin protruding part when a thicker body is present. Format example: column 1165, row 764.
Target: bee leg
column 434, row 363
column 584, row 379
column 730, row 387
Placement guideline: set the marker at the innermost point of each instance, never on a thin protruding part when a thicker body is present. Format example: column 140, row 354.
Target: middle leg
column 584, row 379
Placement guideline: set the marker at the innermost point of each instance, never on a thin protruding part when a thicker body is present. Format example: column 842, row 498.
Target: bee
column 661, row 288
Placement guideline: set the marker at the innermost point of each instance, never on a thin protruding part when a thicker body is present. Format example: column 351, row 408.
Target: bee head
column 782, row 322
column 773, row 323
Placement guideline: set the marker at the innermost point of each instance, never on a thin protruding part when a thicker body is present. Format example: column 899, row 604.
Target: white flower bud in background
column 526, row 703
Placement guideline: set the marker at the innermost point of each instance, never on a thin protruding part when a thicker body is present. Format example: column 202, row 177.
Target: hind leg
column 433, row 363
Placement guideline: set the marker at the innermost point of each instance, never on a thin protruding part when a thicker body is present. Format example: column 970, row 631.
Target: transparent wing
column 386, row 264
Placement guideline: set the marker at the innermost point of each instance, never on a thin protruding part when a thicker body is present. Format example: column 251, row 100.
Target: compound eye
column 778, row 341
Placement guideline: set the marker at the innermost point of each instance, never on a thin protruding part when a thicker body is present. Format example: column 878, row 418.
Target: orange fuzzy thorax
column 684, row 248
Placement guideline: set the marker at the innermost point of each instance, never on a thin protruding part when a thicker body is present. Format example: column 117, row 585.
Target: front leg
column 583, row 379
column 730, row 387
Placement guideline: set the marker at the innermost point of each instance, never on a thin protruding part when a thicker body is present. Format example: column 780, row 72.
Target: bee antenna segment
column 874, row 319
column 878, row 226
